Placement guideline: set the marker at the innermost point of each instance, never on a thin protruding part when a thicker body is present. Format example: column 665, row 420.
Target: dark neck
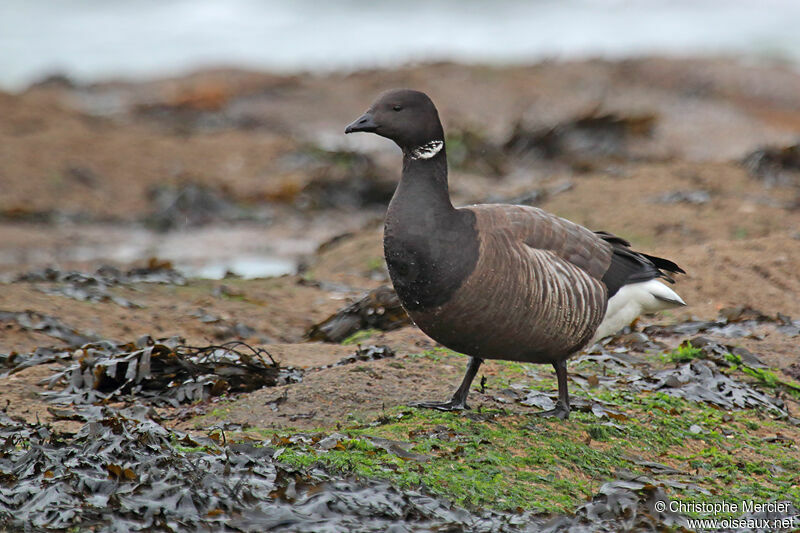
column 430, row 246
column 423, row 183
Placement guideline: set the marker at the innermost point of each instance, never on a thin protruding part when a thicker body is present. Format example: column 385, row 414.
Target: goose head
column 404, row 116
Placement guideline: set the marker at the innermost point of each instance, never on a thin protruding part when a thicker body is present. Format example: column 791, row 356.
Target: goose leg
column 459, row 399
column 561, row 409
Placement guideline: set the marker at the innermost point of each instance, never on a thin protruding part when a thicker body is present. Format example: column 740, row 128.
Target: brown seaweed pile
column 165, row 372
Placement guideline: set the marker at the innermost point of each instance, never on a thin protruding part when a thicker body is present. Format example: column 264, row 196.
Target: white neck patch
column 427, row 150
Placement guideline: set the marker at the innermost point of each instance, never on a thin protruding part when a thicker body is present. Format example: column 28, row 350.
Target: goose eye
column 397, row 107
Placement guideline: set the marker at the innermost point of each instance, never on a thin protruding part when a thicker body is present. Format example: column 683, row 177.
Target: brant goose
column 500, row 281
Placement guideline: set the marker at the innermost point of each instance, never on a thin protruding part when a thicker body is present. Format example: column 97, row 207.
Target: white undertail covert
column 634, row 300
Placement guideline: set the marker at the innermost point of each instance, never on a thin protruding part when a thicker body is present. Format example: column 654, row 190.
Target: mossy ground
column 509, row 459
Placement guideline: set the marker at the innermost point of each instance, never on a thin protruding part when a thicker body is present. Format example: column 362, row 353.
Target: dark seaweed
column 733, row 322
column 124, row 472
column 593, row 135
column 696, row 197
column 621, row 506
column 49, row 325
column 95, row 287
column 225, row 329
column 775, row 165
column 369, row 353
column 469, row 150
column 336, row 179
column 165, row 372
column 194, row 204
column 700, row 381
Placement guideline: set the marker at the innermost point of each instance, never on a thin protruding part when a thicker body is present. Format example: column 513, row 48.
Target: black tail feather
column 628, row 266
column 664, row 264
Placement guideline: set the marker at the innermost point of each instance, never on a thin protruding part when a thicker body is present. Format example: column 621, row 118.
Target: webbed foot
column 560, row 411
column 450, row 405
column 459, row 400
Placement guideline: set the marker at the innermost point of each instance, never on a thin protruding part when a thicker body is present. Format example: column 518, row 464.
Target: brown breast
column 534, row 295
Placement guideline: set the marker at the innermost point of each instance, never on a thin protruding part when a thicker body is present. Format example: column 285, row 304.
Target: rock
column 379, row 309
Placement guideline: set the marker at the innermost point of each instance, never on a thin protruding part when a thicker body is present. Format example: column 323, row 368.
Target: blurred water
column 93, row 39
column 248, row 251
column 249, row 267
